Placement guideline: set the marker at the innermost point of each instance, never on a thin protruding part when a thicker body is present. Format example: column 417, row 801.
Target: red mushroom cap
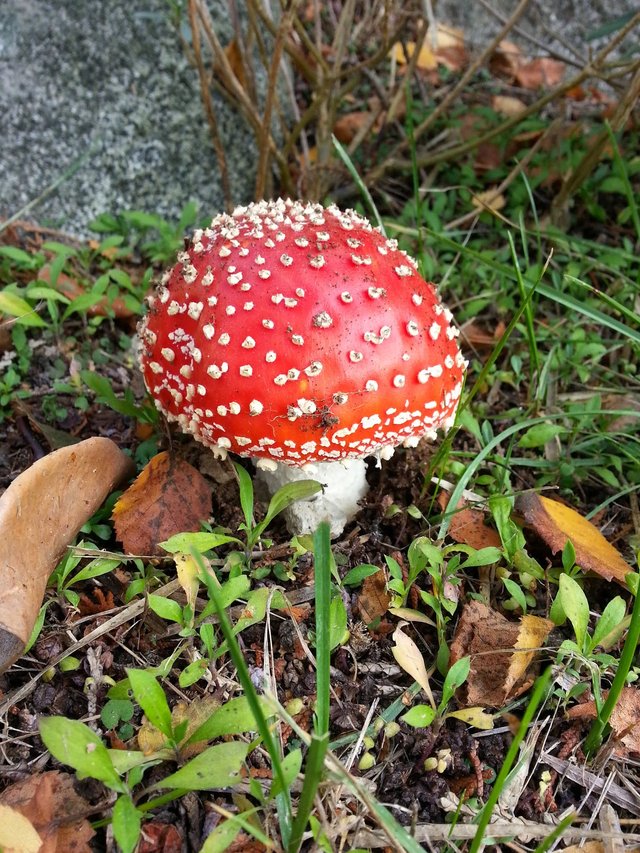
column 300, row 334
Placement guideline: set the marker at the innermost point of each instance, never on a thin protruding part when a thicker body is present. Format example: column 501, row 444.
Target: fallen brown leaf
column 624, row 719
column 40, row 514
column 373, row 600
column 447, row 48
column 556, row 524
column 479, row 338
column 505, row 60
column 467, row 525
column 169, row 496
column 195, row 713
column 409, row 657
column 499, row 672
column 17, row 834
column 56, row 812
column 350, row 124
column 235, row 58
column 488, row 156
column 159, row 837
column 539, row 73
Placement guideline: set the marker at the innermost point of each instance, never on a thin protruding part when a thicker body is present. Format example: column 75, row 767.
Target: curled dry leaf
column 467, row 525
column 624, row 720
column 409, row 657
column 55, row 811
column 373, row 600
column 169, row 496
column 502, row 653
column 40, row 514
column 556, row 524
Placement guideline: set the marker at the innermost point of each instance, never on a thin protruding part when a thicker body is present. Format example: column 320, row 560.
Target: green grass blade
column 313, row 772
column 284, row 799
column 623, row 174
column 348, row 162
column 322, row 553
column 553, row 836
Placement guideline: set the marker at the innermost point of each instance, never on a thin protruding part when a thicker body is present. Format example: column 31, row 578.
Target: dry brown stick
column 264, row 151
column 207, row 101
column 503, row 829
column 587, row 164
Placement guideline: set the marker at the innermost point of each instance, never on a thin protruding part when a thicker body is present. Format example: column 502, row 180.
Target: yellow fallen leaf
column 556, row 524
column 507, row 105
column 187, row 570
column 489, row 199
column 533, row 632
column 409, row 657
column 477, row 717
column 151, row 740
column 426, row 58
column 411, row 615
column 17, row 834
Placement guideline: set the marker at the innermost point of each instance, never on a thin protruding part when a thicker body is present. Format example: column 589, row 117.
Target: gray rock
column 103, row 90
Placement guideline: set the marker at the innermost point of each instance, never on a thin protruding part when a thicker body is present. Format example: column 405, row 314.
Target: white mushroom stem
column 344, row 484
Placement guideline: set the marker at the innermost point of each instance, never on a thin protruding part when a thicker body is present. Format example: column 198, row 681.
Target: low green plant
column 122, row 771
column 442, row 568
column 421, row 716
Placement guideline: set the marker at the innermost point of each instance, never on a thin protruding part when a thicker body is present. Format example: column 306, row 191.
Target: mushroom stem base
column 344, row 484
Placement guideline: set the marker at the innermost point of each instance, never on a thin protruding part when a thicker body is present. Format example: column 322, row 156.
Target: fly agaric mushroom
column 302, row 337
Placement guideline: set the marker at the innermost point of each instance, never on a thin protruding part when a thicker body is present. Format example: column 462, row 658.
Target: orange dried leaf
column 50, row 802
column 402, row 54
column 556, row 524
column 233, row 52
column 624, row 720
column 374, row 599
column 533, row 632
column 347, row 126
column 467, row 525
column 169, row 496
column 539, row 73
column 497, row 674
